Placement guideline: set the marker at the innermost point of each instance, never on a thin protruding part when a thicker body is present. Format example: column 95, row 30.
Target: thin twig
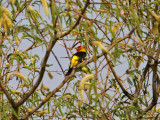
column 43, row 70
column 117, row 78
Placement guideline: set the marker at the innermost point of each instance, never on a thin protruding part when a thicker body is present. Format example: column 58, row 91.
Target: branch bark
column 44, row 65
column 146, row 69
column 2, row 87
column 110, row 64
column 78, row 20
column 117, row 77
column 11, row 101
column 41, row 74
column 113, row 44
column 155, row 88
column 155, row 83
column 50, row 95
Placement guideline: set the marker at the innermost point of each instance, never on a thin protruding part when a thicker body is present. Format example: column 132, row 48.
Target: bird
column 77, row 58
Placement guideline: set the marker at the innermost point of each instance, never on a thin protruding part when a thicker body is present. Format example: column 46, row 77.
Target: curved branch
column 155, row 88
column 50, row 95
column 146, row 69
column 110, row 64
column 41, row 74
column 155, row 94
column 112, row 45
column 7, row 95
column 78, row 20
column 2, row 87
column 155, row 84
column 117, row 78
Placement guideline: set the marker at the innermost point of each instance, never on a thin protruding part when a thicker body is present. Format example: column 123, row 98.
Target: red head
column 79, row 48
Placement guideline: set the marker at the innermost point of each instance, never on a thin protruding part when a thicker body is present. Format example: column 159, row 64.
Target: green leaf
column 154, row 2
column 27, row 67
column 37, row 71
column 117, row 52
column 129, row 81
column 17, row 57
column 36, row 56
column 53, row 10
column 13, row 10
column 136, row 19
column 3, row 46
column 20, row 58
column 49, row 65
column 22, row 28
column 59, row 107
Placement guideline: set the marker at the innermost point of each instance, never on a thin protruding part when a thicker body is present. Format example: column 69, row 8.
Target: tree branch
column 45, row 61
column 41, row 74
column 117, row 78
column 7, row 95
column 146, row 69
column 113, row 44
column 155, row 84
column 155, row 93
column 50, row 95
column 78, row 20
column 1, row 84
column 67, row 78
column 23, row 6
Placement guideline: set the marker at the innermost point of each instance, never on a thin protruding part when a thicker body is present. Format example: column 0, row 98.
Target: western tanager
column 77, row 58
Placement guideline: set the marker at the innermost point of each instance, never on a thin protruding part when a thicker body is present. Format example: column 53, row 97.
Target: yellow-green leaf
column 155, row 28
column 116, row 26
column 45, row 7
column 102, row 11
column 22, row 77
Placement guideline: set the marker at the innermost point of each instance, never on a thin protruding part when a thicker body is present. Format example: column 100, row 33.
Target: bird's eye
column 78, row 48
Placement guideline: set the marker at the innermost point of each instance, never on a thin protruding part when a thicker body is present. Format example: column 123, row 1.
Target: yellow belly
column 74, row 61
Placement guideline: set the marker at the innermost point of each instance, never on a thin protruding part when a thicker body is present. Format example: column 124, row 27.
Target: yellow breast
column 74, row 61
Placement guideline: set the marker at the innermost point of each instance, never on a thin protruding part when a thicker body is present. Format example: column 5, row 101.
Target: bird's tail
column 69, row 71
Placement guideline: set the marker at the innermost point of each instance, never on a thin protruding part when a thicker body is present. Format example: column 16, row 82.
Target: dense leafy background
column 122, row 42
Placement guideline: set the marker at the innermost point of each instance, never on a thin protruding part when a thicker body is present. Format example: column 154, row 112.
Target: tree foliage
column 119, row 79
